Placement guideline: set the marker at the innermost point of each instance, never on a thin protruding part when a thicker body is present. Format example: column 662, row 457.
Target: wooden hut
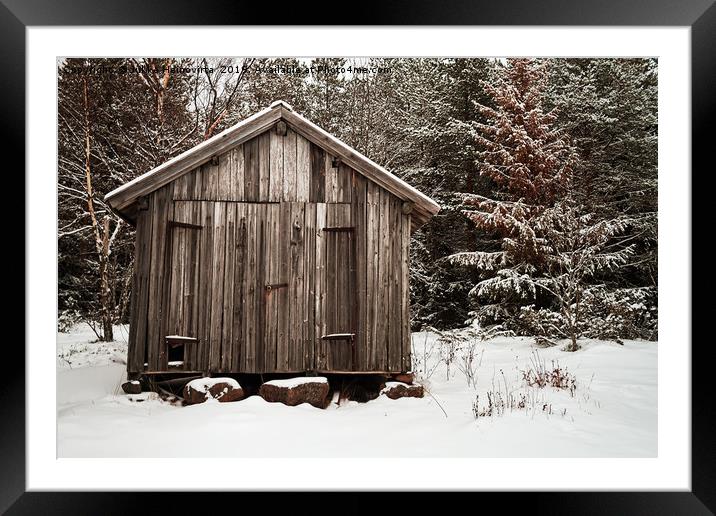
column 272, row 247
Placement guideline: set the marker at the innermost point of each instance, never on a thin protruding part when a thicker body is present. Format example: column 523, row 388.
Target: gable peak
column 281, row 103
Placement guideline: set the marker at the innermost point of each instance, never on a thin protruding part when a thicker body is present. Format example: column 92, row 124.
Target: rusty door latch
column 275, row 286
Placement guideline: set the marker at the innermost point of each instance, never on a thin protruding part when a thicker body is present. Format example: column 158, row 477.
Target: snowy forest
column 545, row 169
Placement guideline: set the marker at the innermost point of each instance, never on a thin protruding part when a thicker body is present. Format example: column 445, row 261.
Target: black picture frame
column 700, row 15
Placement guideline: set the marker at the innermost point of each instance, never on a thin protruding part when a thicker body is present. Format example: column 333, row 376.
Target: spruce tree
column 529, row 163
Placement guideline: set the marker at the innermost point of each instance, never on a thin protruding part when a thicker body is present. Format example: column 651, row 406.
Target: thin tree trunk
column 101, row 235
column 106, row 293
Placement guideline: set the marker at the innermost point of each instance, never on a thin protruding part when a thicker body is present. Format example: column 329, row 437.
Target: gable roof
column 123, row 199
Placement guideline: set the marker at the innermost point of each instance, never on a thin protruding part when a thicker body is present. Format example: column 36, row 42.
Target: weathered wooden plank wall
column 275, row 210
column 160, row 208
column 136, row 356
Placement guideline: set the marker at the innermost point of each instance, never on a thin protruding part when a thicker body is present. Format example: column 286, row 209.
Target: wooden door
column 339, row 310
column 181, row 335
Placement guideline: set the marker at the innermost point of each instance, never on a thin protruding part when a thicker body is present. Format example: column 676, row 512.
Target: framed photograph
column 445, row 257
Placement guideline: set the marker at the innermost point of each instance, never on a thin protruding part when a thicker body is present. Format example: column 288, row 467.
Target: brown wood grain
column 249, row 319
column 251, row 170
column 137, row 344
column 273, row 210
column 284, row 308
column 205, row 281
column 405, row 293
column 227, row 323
column 273, row 277
column 309, row 314
column 320, row 286
column 264, row 158
column 223, row 189
column 289, row 166
column 240, row 290
column 358, row 220
column 303, row 169
column 160, row 205
column 276, row 165
column 318, row 174
column 395, row 345
column 331, row 179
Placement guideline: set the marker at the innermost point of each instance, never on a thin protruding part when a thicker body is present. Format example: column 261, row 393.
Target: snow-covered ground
column 612, row 412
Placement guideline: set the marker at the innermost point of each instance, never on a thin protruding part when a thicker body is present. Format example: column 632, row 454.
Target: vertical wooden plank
column 257, row 288
column 335, row 309
column 318, row 174
column 303, row 169
column 217, row 285
column 342, row 302
column 358, row 220
column 251, row 170
column 238, row 172
column 158, row 235
column 227, row 326
column 211, row 181
column 269, row 333
column 264, row 166
column 330, row 309
column 258, row 301
column 320, row 279
column 261, row 257
column 384, row 300
column 160, row 207
column 180, row 186
column 140, row 293
column 231, row 180
column 344, row 183
column 284, row 308
column 372, row 293
column 276, row 166
column 185, row 250
column 246, row 283
column 223, row 189
column 194, row 212
column 190, row 178
column 395, row 344
column 205, row 285
column 329, row 304
column 349, row 292
column 289, row 166
column 309, row 306
column 165, row 302
column 351, row 302
column 198, row 183
column 331, row 180
column 273, row 277
column 295, row 287
column 250, row 279
column 239, row 302
column 405, row 293
column 178, row 299
column 174, row 277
